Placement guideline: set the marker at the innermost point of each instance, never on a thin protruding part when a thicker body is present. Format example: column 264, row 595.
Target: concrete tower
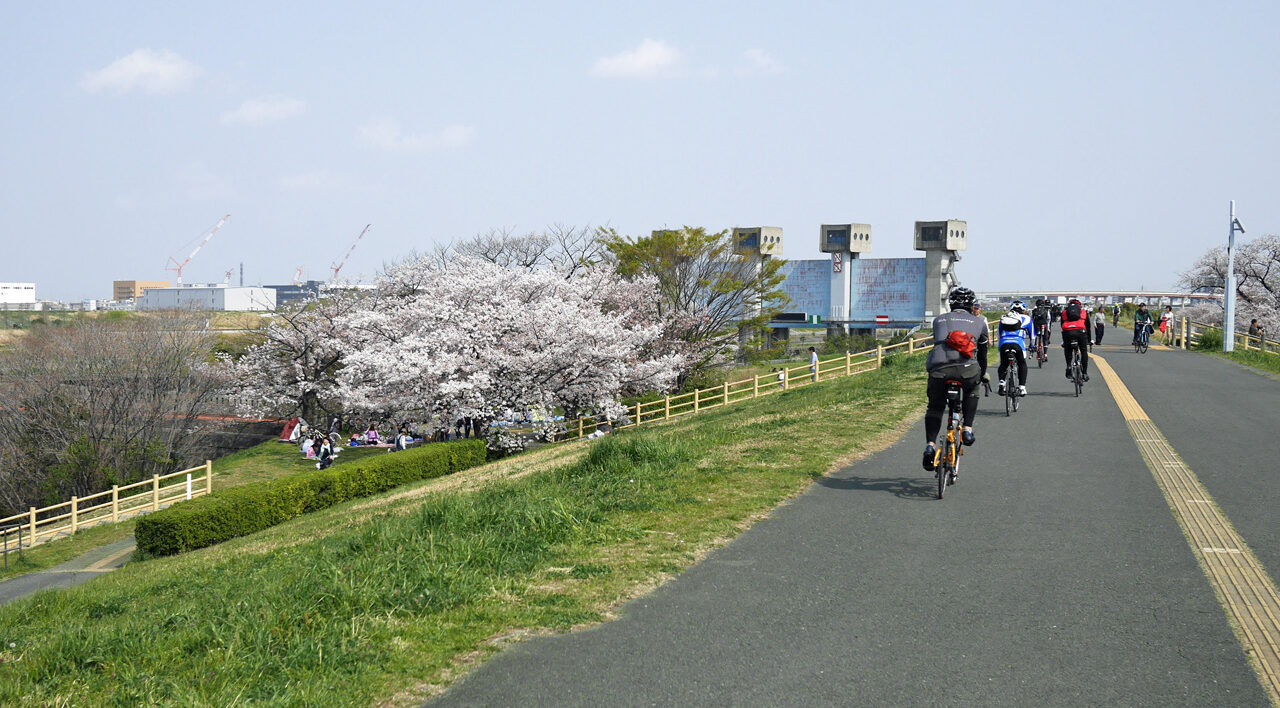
column 941, row 242
column 757, row 244
column 844, row 242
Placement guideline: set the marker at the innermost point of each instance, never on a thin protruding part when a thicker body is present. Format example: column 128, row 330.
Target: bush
column 1210, row 340
column 240, row 511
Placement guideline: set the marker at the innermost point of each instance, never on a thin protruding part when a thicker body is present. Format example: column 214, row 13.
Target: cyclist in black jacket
column 947, row 363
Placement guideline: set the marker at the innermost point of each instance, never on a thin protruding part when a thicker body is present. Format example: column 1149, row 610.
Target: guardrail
column 1191, row 332
column 36, row 526
column 730, row 392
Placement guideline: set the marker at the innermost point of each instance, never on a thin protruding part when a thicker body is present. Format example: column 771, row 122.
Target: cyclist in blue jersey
column 1017, row 332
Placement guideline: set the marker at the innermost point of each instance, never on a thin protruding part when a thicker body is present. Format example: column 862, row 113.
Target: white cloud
column 386, row 134
column 759, row 62
column 257, row 111
column 143, row 69
column 650, row 59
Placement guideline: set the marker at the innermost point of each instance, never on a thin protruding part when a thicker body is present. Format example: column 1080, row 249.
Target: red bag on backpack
column 962, row 342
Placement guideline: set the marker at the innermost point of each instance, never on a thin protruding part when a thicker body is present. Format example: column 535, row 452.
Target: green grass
column 1259, row 360
column 381, row 602
column 49, row 554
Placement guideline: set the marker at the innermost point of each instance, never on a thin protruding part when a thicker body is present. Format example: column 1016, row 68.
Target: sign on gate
column 837, row 262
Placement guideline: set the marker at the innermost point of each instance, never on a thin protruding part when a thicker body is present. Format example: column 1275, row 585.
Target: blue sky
column 1089, row 145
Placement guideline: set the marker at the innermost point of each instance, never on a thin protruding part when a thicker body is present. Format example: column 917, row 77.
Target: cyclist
column 1115, row 314
column 1016, row 334
column 1075, row 328
column 1040, row 318
column 1141, row 320
column 959, row 354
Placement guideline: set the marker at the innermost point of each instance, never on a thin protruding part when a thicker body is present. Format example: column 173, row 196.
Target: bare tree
column 102, row 403
column 568, row 249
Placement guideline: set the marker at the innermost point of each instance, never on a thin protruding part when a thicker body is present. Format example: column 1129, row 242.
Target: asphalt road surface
column 1053, row 574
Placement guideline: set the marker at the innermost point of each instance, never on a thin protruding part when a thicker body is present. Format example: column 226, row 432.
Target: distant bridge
column 1152, row 297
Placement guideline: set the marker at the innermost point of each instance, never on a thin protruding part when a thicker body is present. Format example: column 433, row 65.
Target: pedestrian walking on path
column 1099, row 325
column 813, row 363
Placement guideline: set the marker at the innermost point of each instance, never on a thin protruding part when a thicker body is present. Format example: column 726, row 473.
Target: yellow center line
column 102, row 564
column 1247, row 594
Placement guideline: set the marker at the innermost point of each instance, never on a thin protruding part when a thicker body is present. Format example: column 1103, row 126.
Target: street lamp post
column 1229, row 297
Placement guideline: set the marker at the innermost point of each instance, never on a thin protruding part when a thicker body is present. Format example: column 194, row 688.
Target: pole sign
column 837, row 262
column 882, row 319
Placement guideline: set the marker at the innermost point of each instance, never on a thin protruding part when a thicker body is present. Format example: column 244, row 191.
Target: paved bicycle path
column 82, row 569
column 1053, row 574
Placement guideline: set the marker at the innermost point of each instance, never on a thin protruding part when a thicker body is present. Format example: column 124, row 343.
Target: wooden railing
column 730, row 392
column 115, row 504
column 1191, row 332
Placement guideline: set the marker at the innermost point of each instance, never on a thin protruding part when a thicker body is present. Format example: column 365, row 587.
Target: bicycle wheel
column 1016, row 399
column 1008, row 395
column 944, row 470
column 1075, row 376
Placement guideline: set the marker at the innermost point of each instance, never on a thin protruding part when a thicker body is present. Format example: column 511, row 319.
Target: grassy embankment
column 1263, row 361
column 387, row 599
column 261, row 462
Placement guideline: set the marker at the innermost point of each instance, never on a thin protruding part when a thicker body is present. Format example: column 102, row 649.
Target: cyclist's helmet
column 962, row 299
column 1018, row 307
column 1074, row 301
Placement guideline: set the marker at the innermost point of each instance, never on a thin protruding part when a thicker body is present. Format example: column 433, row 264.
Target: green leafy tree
column 715, row 301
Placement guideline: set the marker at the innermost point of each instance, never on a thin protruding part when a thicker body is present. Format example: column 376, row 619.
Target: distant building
column 132, row 289
column 286, row 294
column 209, row 297
column 18, row 296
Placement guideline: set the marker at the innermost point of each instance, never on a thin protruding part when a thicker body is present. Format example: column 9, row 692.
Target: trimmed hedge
column 240, row 511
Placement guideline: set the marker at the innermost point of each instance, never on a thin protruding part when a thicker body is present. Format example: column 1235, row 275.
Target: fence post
column 208, row 477
column 879, row 355
column 1184, row 334
column 188, row 486
column 786, row 378
column 911, row 344
column 755, row 386
column 33, row 525
column 155, row 492
column 726, row 393
column 115, row 503
column 637, row 414
column 75, row 502
column 579, row 427
column 666, row 408
column 848, row 363
column 695, row 399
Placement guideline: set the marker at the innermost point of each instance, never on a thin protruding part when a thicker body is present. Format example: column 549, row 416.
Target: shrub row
column 239, row 511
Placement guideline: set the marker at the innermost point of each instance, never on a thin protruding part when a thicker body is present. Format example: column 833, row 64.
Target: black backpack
column 1073, row 311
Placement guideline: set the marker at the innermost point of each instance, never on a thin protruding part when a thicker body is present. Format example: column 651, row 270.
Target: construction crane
column 337, row 267
column 207, row 235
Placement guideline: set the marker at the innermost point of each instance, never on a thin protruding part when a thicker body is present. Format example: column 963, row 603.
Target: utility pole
column 1229, row 297
column 242, row 274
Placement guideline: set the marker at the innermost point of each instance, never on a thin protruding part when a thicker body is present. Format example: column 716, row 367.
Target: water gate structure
column 849, row 292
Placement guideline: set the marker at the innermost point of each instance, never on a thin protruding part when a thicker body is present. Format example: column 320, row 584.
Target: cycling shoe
column 930, row 454
column 968, row 437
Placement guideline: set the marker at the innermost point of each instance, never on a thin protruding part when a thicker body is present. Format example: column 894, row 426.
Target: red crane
column 207, row 235
column 337, row 267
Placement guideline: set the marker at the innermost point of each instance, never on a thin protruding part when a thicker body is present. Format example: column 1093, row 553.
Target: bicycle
column 1143, row 338
column 1042, row 344
column 1011, row 385
column 1077, row 373
column 947, row 463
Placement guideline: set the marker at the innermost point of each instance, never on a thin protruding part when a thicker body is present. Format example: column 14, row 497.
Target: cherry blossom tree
column 469, row 338
column 1257, row 283
column 294, row 371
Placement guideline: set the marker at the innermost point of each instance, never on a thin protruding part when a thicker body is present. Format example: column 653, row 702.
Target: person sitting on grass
column 371, row 435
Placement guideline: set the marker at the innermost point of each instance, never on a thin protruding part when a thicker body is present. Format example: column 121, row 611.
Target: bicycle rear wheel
column 1076, row 377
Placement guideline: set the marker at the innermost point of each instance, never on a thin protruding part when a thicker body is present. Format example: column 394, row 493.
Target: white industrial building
column 18, row 296
column 209, row 297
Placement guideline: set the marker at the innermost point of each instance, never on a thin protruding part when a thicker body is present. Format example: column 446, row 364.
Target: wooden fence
column 730, row 392
column 1191, row 332
column 115, row 504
